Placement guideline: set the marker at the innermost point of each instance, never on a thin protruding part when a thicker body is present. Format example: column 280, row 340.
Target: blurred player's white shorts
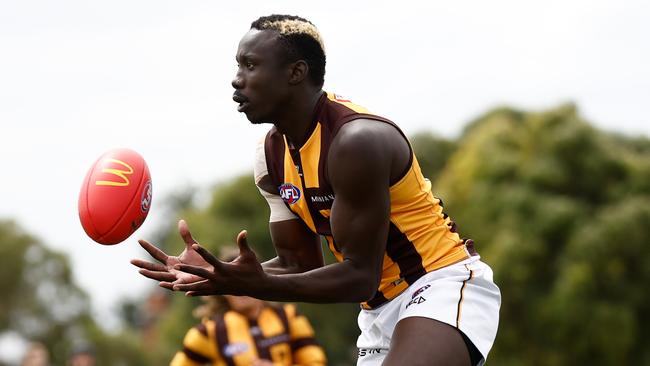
column 462, row 295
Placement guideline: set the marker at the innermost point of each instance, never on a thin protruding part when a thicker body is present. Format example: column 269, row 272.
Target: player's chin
column 256, row 119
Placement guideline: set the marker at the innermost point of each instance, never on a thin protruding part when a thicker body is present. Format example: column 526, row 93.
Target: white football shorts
column 462, row 295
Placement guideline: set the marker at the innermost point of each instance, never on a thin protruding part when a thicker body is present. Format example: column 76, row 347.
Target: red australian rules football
column 115, row 196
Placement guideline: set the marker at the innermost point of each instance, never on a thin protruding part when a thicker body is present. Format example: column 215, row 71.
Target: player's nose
column 237, row 82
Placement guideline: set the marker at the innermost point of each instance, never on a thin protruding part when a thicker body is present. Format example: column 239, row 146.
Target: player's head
column 279, row 57
column 299, row 39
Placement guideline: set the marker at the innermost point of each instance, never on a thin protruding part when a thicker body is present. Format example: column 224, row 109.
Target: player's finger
column 242, row 243
column 194, row 286
column 216, row 263
column 158, row 276
column 184, row 230
column 200, row 293
column 156, row 253
column 167, row 285
column 148, row 265
column 199, row 271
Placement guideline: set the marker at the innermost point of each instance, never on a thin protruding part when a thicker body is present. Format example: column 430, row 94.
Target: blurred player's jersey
column 279, row 335
column 421, row 237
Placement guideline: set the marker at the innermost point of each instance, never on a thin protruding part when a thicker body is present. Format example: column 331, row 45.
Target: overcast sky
column 80, row 77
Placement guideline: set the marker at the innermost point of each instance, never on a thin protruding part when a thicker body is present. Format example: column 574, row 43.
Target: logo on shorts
column 289, row 193
column 419, row 291
column 417, row 300
column 368, row 351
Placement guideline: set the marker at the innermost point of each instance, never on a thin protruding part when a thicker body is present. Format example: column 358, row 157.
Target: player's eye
column 249, row 65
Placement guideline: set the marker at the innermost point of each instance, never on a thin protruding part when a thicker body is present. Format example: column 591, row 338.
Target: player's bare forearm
column 354, row 279
column 298, row 248
column 347, row 281
column 276, row 266
column 339, row 282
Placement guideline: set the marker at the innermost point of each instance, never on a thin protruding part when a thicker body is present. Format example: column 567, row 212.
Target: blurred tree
column 560, row 211
column 42, row 303
column 432, row 153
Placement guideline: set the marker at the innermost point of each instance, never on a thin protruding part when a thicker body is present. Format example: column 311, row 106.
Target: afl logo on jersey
column 289, row 193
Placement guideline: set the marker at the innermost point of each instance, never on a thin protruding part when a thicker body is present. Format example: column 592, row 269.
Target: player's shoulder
column 273, row 133
column 364, row 126
column 273, row 141
column 364, row 135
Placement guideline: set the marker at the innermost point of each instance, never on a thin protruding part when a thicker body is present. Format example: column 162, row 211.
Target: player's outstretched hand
column 164, row 271
column 242, row 276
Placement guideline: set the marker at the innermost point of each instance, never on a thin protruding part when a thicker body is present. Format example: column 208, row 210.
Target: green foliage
column 170, row 329
column 432, row 153
column 560, row 212
column 42, row 303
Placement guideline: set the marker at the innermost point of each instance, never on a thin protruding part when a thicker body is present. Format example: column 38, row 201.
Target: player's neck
column 296, row 124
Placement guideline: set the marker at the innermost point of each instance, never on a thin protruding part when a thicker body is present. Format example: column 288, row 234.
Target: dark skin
column 363, row 159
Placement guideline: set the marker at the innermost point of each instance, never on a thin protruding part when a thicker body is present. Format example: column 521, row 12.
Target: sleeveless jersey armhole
column 278, row 210
column 385, row 120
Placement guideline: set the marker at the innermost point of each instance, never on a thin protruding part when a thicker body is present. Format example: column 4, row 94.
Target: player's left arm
column 298, row 249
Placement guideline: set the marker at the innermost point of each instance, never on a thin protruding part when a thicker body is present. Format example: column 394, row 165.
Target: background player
column 243, row 331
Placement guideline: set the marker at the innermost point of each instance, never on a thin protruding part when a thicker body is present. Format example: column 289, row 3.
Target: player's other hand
column 243, row 276
column 164, row 271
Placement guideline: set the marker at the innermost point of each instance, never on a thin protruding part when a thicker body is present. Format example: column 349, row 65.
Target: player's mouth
column 242, row 100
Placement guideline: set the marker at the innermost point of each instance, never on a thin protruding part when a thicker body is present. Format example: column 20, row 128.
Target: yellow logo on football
column 118, row 173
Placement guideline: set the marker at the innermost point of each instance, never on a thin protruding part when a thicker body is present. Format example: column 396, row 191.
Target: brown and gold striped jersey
column 421, row 237
column 279, row 334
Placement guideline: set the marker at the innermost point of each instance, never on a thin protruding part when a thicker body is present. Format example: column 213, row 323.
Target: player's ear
column 298, row 71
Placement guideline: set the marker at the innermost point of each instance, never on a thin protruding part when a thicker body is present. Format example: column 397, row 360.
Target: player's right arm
column 298, row 248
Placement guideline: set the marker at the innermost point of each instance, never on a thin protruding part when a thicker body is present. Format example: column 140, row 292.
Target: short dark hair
column 301, row 39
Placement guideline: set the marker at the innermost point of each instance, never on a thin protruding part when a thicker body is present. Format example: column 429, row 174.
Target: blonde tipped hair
column 301, row 41
column 288, row 27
